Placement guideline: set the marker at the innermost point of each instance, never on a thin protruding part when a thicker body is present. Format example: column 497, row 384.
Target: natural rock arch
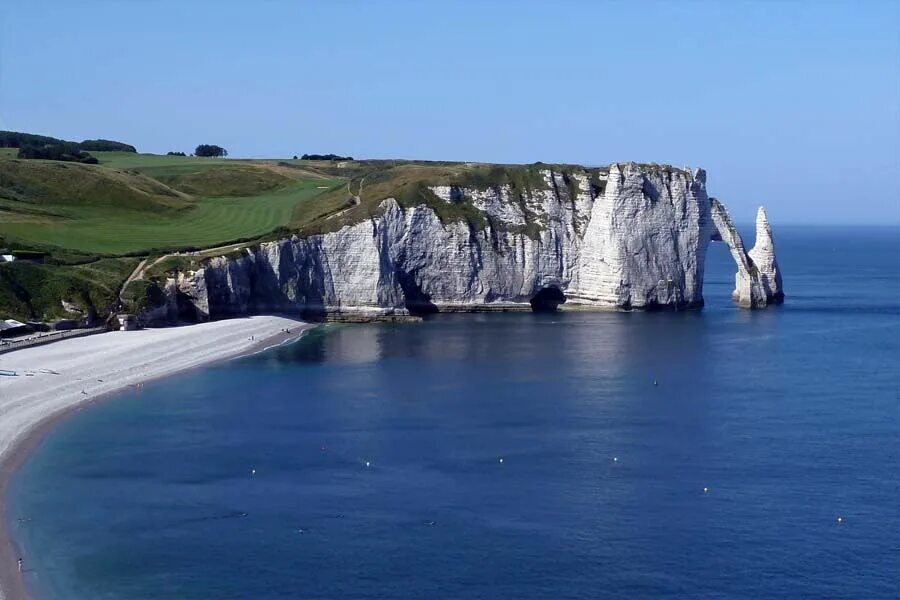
column 632, row 238
column 758, row 279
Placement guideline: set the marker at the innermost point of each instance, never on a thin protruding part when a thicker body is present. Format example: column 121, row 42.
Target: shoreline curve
column 56, row 380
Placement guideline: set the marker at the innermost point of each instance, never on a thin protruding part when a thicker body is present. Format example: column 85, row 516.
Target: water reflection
column 785, row 415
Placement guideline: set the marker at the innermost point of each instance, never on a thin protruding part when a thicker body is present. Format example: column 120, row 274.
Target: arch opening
column 717, row 273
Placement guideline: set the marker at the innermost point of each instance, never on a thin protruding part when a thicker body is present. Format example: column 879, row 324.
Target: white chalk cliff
column 634, row 237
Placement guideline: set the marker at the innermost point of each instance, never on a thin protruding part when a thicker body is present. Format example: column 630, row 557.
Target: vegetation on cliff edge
column 83, row 228
column 35, row 291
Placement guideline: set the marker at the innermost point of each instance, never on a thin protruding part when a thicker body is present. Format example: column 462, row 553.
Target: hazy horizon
column 795, row 107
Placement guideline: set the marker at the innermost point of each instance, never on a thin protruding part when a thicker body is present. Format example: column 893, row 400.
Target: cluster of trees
column 175, row 154
column 49, row 148
column 17, row 139
column 106, row 146
column 14, row 139
column 66, row 151
column 324, row 157
column 210, row 150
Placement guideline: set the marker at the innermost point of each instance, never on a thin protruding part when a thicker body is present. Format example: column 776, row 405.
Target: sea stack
column 763, row 256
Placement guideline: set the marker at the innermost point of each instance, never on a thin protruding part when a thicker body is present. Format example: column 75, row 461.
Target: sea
column 712, row 454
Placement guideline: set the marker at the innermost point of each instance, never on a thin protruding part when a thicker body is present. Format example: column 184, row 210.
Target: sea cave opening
column 416, row 300
column 548, row 299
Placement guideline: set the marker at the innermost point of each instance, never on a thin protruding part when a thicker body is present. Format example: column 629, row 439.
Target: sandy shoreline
column 57, row 379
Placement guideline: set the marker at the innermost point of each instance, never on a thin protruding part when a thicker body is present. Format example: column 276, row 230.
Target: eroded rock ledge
column 637, row 239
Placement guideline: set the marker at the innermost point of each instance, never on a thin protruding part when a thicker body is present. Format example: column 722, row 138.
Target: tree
column 210, row 150
column 17, row 139
column 66, row 151
column 325, row 157
column 106, row 146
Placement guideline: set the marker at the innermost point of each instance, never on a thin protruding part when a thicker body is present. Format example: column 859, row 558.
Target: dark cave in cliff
column 548, row 299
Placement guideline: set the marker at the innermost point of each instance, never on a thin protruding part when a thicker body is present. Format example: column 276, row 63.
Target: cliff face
column 637, row 239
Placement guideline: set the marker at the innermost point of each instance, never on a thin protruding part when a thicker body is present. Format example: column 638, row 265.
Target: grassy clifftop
column 89, row 225
column 410, row 182
column 77, row 226
column 110, row 211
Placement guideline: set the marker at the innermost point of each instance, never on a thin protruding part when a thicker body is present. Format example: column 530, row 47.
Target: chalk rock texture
column 634, row 238
column 758, row 279
column 763, row 257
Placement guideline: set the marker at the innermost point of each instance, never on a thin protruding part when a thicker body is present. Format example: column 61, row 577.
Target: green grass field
column 131, row 160
column 154, row 203
column 207, row 222
column 84, row 220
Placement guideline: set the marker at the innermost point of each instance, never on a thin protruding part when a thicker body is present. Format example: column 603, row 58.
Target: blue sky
column 792, row 105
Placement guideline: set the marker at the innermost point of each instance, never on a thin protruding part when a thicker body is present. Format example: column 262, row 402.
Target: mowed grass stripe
column 212, row 221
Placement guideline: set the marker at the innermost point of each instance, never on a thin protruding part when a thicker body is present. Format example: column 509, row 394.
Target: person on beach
column 20, row 564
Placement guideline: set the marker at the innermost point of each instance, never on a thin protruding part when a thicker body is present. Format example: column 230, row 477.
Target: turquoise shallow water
column 790, row 417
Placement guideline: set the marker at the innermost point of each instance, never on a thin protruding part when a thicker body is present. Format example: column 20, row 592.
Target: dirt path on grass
column 142, row 267
column 138, row 273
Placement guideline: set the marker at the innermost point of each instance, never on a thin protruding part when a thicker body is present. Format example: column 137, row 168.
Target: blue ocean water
column 507, row 456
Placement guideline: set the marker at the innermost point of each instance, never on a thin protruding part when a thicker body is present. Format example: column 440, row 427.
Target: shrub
column 142, row 295
column 65, row 151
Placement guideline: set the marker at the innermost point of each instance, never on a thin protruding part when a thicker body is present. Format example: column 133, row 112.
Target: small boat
column 8, row 373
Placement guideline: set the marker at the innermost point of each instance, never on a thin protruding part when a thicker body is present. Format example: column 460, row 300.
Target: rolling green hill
column 104, row 210
column 88, row 221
